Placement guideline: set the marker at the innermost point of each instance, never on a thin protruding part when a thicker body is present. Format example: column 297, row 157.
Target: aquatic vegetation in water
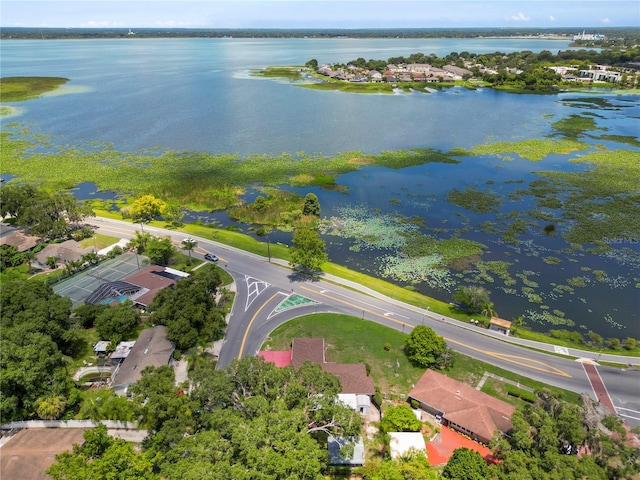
column 578, row 282
column 574, row 126
column 562, row 289
column 497, row 267
column 449, row 249
column 546, row 318
column 596, row 103
column 531, row 149
column 627, row 139
column 533, row 297
column 600, row 275
column 625, row 257
column 429, row 269
column 552, row 260
column 370, row 230
column 612, row 322
column 597, row 206
column 477, row 201
column 186, row 178
column 524, row 276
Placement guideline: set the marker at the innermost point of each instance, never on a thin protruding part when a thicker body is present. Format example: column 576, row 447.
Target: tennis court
column 81, row 285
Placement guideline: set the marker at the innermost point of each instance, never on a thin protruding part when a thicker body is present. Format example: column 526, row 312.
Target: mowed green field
column 354, row 340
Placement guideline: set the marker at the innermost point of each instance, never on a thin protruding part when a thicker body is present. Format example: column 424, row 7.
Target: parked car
column 211, row 257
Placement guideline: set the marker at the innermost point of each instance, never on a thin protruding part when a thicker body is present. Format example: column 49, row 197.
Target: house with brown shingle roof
column 307, row 349
column 353, row 376
column 462, row 407
column 152, row 279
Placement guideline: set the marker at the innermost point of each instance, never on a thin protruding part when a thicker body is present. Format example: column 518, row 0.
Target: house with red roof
column 462, row 407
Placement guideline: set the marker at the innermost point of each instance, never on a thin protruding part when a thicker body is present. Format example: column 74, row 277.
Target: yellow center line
column 246, row 332
column 525, row 362
column 399, row 322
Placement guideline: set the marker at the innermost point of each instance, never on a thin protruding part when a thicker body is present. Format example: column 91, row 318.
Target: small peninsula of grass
column 350, row 87
column 293, row 74
column 18, row 89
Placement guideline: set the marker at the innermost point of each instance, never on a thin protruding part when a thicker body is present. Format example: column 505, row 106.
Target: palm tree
column 51, row 407
column 29, row 257
column 139, row 242
column 488, row 311
column 189, row 244
column 92, row 409
column 91, row 257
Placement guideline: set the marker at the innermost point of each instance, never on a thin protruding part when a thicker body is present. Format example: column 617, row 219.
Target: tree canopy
column 36, row 335
column 47, row 215
column 189, row 310
column 309, row 249
column 426, row 349
column 146, row 208
column 102, row 457
column 117, row 322
column 311, row 205
column 250, row 420
column 160, row 250
column 412, row 466
column 545, row 439
column 465, row 464
column 475, row 298
column 400, row 418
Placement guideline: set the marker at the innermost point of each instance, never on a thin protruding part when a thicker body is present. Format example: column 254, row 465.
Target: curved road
column 262, row 286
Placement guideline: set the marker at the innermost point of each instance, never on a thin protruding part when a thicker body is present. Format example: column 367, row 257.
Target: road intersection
column 262, row 286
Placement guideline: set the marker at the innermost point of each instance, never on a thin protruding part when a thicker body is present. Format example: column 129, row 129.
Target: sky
column 349, row 14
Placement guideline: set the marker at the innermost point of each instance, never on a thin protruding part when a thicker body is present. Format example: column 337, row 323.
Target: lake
column 198, row 95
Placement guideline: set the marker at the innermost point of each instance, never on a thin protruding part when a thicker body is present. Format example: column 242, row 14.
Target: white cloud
column 552, row 18
column 520, row 17
column 606, row 20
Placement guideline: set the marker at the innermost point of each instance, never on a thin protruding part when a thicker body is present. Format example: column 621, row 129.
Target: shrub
column 521, row 394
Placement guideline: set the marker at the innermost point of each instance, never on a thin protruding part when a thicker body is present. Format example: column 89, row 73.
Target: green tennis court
column 81, row 285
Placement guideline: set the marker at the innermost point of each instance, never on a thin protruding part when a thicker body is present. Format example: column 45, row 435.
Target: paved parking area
column 440, row 449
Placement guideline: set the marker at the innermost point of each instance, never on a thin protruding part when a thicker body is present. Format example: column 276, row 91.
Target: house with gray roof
column 152, row 349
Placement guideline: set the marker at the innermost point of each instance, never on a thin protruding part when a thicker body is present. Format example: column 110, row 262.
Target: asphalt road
column 261, row 287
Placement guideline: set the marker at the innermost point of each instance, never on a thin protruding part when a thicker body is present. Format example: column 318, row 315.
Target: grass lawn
column 353, row 340
column 98, row 241
column 87, row 355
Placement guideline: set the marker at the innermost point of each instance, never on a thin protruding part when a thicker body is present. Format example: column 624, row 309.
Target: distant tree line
column 88, row 33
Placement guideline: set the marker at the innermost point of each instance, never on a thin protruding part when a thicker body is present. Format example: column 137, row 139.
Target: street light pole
column 269, row 248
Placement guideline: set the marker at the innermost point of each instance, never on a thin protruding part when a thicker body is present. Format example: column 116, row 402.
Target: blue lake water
column 197, row 95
